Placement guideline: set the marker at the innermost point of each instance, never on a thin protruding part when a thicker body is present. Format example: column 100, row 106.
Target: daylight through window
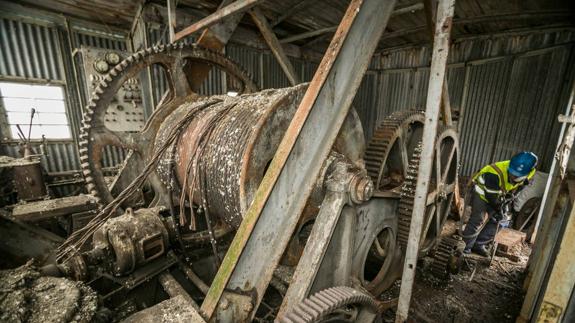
column 50, row 119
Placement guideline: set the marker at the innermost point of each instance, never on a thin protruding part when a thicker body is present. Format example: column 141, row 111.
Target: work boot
column 481, row 250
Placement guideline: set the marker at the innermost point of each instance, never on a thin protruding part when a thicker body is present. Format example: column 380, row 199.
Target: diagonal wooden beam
column 215, row 38
column 313, row 33
column 274, row 44
column 231, row 9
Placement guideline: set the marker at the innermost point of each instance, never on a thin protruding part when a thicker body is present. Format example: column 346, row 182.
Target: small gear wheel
column 447, row 257
column 335, row 304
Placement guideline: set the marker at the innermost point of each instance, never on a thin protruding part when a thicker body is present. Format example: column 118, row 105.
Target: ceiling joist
column 233, row 8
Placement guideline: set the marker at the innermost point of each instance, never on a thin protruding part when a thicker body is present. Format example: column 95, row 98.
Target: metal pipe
column 173, row 288
column 194, row 278
column 443, row 24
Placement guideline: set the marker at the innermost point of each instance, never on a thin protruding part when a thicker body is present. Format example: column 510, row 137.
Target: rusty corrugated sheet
column 513, row 97
column 29, row 51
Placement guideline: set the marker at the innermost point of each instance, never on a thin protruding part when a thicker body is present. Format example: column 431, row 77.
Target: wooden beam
column 234, row 8
column 308, row 34
column 292, row 11
column 49, row 209
column 171, row 4
column 313, row 33
column 483, row 19
column 438, row 67
column 408, row 9
column 274, row 45
column 430, row 10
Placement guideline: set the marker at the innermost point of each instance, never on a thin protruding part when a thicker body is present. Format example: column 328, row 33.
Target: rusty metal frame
column 271, row 219
column 443, row 24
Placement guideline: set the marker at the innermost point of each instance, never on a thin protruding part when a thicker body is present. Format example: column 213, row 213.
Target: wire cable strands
column 173, row 59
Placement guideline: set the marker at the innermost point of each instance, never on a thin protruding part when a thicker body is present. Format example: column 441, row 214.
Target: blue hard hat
column 522, row 163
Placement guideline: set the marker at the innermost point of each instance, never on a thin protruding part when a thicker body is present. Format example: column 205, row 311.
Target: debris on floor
column 479, row 293
column 25, row 296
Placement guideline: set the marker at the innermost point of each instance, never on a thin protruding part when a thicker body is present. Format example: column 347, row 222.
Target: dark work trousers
column 477, row 232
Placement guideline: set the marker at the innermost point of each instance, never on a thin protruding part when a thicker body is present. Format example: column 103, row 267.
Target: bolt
column 361, row 189
column 224, row 304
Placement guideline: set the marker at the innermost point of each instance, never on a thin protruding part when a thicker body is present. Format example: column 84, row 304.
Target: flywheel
column 174, row 60
column 335, row 304
column 440, row 194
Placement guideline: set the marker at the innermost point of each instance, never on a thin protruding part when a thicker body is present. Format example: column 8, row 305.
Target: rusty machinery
column 193, row 169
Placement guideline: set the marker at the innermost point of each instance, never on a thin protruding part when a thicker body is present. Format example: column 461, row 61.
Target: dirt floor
column 479, row 293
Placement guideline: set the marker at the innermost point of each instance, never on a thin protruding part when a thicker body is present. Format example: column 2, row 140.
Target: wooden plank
column 292, row 11
column 562, row 279
column 48, row 209
column 274, row 45
column 437, row 71
column 172, row 20
column 430, row 9
column 220, row 14
column 308, row 34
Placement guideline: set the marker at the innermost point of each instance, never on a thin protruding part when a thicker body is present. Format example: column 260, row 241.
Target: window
column 50, row 119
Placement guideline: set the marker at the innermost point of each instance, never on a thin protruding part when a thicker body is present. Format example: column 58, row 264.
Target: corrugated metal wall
column 29, row 51
column 509, row 93
column 33, row 51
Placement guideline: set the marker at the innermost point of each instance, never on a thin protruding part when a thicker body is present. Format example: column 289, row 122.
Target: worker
column 494, row 188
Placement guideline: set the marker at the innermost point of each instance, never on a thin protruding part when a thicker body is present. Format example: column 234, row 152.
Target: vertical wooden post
column 434, row 95
column 172, row 20
column 430, row 9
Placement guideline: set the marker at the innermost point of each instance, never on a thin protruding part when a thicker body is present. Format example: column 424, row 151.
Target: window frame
column 6, row 133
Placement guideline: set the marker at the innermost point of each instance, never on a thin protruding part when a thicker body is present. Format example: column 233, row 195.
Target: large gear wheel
column 387, row 153
column 336, row 304
column 440, row 194
column 95, row 136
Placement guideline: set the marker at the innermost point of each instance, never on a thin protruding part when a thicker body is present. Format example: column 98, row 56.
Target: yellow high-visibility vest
column 503, row 176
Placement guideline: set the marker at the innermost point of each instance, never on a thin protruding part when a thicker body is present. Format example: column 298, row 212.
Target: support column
column 434, row 94
column 430, row 11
